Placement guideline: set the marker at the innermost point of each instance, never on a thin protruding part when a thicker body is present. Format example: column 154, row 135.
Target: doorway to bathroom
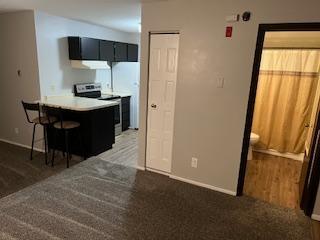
column 280, row 147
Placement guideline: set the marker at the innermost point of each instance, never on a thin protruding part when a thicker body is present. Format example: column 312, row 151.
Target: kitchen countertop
column 75, row 103
column 121, row 94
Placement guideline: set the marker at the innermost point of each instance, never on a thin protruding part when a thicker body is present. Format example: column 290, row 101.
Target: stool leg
column 67, row 146
column 54, row 147
column 32, row 144
column 45, row 144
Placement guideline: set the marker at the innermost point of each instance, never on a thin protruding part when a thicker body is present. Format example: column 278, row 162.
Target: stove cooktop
column 92, row 90
column 108, row 97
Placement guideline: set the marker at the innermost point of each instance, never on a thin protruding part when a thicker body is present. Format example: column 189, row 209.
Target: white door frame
column 147, row 100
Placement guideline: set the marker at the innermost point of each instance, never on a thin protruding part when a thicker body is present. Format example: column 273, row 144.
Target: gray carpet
column 100, row 200
column 18, row 172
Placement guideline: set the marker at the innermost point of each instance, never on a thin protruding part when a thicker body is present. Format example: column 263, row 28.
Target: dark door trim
column 315, row 172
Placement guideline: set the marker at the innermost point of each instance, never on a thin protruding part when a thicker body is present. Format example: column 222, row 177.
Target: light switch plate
column 194, row 162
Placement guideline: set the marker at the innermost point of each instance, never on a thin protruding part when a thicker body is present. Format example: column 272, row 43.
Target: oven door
column 118, row 117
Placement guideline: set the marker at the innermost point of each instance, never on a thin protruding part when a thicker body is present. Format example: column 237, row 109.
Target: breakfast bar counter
column 75, row 103
column 96, row 118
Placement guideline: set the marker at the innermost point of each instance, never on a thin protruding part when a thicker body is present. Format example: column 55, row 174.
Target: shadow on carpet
column 100, row 200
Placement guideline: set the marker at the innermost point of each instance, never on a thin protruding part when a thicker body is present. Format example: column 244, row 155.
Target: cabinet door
column 120, row 52
column 89, row 49
column 106, row 50
column 74, row 48
column 132, row 52
column 125, row 113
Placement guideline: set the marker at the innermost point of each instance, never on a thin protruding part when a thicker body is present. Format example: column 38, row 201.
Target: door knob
column 153, row 105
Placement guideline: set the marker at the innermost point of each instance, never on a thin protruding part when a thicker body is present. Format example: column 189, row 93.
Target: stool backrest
column 35, row 107
column 50, row 111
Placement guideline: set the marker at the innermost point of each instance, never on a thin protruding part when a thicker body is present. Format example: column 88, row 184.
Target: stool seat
column 66, row 125
column 44, row 120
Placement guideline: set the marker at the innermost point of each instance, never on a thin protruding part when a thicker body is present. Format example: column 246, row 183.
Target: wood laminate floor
column 124, row 151
column 273, row 179
column 315, row 230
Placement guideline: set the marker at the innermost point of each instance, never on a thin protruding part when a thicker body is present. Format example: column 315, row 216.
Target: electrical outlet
column 194, row 162
column 16, row 130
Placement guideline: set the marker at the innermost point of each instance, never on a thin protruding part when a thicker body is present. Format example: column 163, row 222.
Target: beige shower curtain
column 286, row 89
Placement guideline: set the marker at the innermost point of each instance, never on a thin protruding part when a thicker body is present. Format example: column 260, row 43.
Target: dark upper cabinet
column 83, row 48
column 106, row 50
column 90, row 49
column 120, row 52
column 132, row 52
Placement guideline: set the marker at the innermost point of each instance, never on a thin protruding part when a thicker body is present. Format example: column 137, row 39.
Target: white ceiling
column 123, row 15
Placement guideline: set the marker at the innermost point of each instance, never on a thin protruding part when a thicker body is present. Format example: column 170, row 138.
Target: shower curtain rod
column 291, row 48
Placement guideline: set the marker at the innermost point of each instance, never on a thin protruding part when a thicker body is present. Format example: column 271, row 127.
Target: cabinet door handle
column 153, row 105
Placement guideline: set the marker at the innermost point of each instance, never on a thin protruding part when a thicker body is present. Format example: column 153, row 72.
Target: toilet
column 254, row 138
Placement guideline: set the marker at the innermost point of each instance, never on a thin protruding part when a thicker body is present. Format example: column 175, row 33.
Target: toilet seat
column 254, row 138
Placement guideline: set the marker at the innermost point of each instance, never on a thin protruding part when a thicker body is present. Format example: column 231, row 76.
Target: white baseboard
column 21, row 145
column 140, row 168
column 193, row 182
column 157, row 171
column 204, row 185
column 315, row 217
column 298, row 157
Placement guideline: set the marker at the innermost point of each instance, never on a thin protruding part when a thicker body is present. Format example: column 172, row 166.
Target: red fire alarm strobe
column 229, row 31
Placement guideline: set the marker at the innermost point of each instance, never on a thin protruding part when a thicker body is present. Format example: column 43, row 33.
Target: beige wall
column 17, row 51
column 209, row 121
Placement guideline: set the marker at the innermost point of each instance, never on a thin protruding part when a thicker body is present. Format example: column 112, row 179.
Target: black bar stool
column 41, row 119
column 65, row 127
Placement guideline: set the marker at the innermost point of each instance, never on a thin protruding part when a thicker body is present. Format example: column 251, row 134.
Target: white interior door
column 162, row 90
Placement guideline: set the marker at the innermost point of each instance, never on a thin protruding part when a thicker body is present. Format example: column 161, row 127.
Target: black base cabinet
column 96, row 133
column 125, row 104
